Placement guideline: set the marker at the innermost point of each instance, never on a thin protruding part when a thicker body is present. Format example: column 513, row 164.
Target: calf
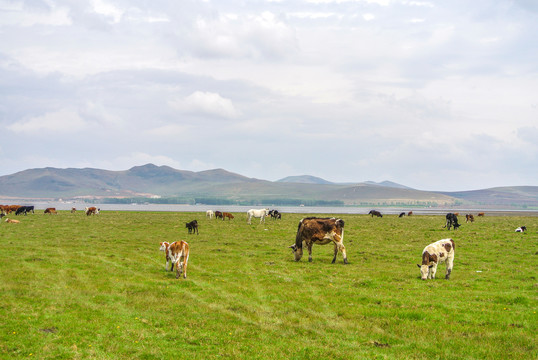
column 469, row 217
column 178, row 252
column 50, row 211
column 164, row 247
column 375, row 212
column 435, row 253
column 451, row 220
column 209, row 214
column 193, row 226
column 521, row 229
column 12, row 221
column 218, row 214
column 227, row 215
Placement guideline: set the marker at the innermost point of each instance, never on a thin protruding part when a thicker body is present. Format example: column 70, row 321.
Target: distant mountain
column 221, row 186
column 305, row 179
column 388, row 184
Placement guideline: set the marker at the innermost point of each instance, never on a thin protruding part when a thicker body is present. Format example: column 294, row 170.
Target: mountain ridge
column 149, row 180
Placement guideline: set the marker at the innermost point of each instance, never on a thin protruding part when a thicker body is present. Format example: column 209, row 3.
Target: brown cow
column 481, row 214
column 469, row 217
column 321, row 231
column 50, row 211
column 176, row 252
column 227, row 215
column 91, row 210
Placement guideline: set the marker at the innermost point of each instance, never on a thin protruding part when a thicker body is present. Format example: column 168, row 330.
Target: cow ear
column 430, row 266
column 418, row 266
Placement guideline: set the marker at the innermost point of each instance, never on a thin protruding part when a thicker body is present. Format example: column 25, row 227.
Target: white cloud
column 206, row 103
column 61, row 122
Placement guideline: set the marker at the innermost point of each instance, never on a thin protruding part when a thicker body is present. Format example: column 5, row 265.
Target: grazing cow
column 401, row 214
column 227, row 215
column 435, row 253
column 164, row 247
column 451, row 220
column 192, row 226
column 2, row 215
column 320, row 231
column 178, row 251
column 261, row 213
column 375, row 212
column 13, row 207
column 218, row 214
column 25, row 210
column 481, row 214
column 521, row 229
column 209, row 214
column 12, row 221
column 4, row 209
column 92, row 210
column 469, row 217
column 410, row 213
column 275, row 214
column 73, row 210
column 50, row 211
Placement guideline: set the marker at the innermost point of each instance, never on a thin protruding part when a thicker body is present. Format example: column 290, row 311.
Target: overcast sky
column 435, row 95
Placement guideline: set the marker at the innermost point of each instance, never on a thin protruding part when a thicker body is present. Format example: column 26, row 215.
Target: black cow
column 192, row 226
column 24, row 210
column 218, row 214
column 401, row 214
column 451, row 220
column 275, row 214
column 375, row 212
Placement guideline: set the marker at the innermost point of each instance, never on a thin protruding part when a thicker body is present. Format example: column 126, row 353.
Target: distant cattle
column 275, row 214
column 24, row 210
column 192, row 227
column 375, row 212
column 261, row 213
column 73, row 210
column 401, row 214
column 50, row 210
column 209, row 214
column 481, row 214
column 434, row 254
column 410, row 213
column 218, row 215
column 521, row 229
column 178, row 252
column 227, row 215
column 92, row 210
column 12, row 221
column 320, row 231
column 469, row 217
column 451, row 221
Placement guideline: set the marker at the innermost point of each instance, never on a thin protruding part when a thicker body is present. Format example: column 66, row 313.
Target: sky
column 434, row 95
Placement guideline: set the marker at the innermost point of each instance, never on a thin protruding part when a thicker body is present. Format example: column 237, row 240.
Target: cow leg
column 449, row 264
column 335, row 253
column 433, row 270
column 309, row 246
column 179, row 268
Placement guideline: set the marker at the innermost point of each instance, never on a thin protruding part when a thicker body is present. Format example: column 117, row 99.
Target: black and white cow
column 451, row 221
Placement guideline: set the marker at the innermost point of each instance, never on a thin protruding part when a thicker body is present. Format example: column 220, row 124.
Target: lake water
column 283, row 209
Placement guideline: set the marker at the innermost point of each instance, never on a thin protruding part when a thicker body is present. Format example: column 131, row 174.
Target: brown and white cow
column 434, row 254
column 50, row 211
column 469, row 217
column 12, row 221
column 178, row 252
column 164, row 247
column 320, row 231
column 91, row 210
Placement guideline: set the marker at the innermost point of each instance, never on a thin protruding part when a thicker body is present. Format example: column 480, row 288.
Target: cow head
column 164, row 246
column 297, row 251
column 424, row 270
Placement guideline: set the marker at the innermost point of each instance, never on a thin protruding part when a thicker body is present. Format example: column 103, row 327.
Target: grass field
column 77, row 287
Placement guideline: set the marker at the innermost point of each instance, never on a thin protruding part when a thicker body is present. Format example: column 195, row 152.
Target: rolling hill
column 163, row 182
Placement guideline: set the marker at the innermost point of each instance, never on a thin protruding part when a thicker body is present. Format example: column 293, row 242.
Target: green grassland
column 77, row 287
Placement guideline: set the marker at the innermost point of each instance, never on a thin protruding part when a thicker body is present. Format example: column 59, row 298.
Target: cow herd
column 310, row 231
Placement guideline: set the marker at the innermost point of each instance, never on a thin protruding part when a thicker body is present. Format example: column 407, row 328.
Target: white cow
column 435, row 253
column 209, row 214
column 262, row 213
